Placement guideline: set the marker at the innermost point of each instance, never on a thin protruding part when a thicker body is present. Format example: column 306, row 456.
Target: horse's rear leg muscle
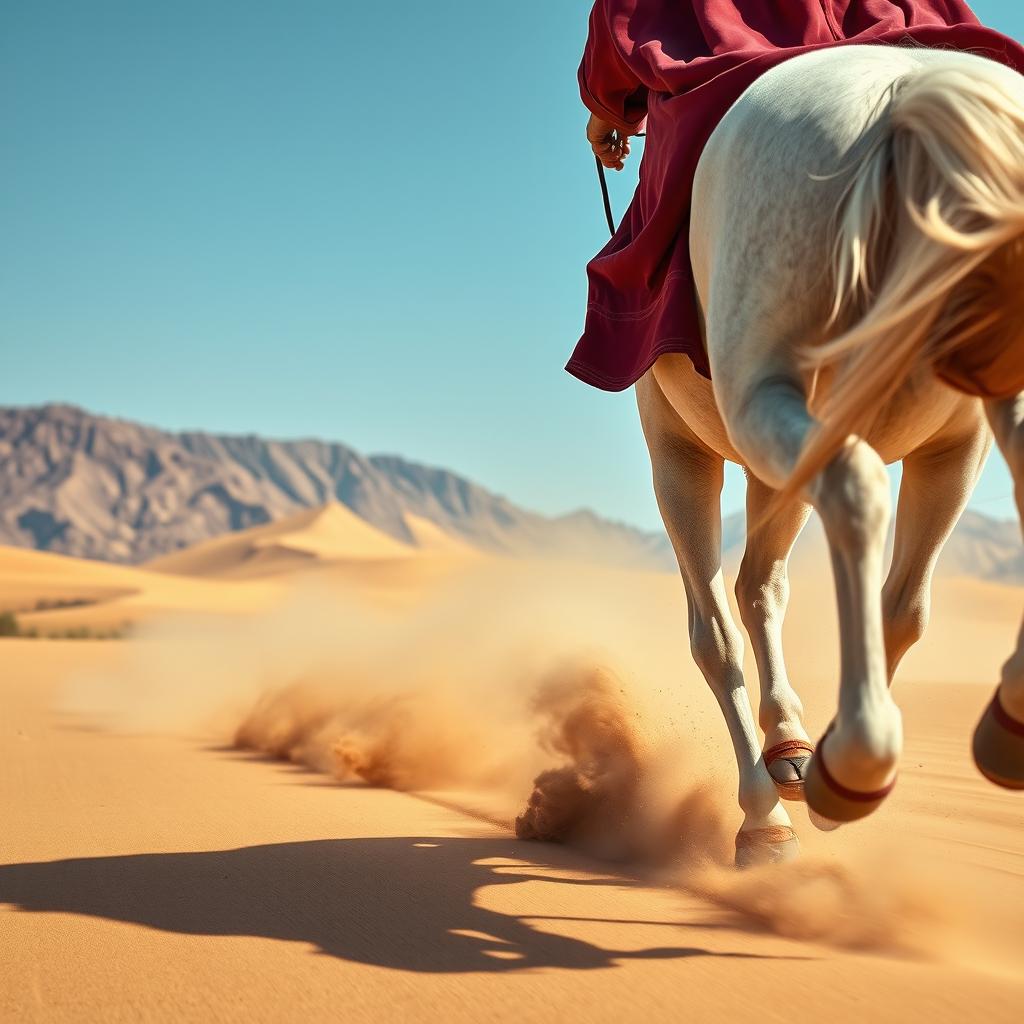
column 937, row 482
column 762, row 594
column 1007, row 419
column 999, row 737
column 688, row 483
column 769, row 423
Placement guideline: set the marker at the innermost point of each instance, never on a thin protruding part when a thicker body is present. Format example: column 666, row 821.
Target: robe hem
column 582, row 370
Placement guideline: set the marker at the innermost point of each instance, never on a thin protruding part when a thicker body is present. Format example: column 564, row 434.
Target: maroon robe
column 681, row 64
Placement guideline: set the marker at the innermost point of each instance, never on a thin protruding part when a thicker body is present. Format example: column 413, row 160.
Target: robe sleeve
column 608, row 86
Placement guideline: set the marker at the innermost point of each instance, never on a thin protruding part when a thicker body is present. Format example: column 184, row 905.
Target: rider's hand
column 610, row 146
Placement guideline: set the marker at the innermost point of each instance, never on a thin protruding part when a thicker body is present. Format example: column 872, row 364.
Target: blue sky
column 361, row 222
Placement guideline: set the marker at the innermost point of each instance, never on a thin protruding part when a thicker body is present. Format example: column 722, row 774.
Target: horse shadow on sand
column 404, row 903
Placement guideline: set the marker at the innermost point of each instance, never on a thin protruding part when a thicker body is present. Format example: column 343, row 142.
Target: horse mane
column 927, row 252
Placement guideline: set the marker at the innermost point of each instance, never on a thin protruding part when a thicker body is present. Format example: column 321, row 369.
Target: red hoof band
column 999, row 746
column 793, row 789
column 830, row 798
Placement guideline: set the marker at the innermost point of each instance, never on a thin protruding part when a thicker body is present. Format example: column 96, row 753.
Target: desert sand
column 150, row 869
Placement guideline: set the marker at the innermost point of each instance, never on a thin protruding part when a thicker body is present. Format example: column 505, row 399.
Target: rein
column 604, row 189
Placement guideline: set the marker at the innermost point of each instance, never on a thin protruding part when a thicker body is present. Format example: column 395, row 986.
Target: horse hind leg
column 937, row 481
column 854, row 765
column 998, row 743
column 688, row 482
column 762, row 595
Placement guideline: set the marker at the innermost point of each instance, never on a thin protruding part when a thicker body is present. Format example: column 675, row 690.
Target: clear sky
column 363, row 222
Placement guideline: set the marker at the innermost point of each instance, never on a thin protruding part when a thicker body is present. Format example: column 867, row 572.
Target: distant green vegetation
column 45, row 604
column 9, row 627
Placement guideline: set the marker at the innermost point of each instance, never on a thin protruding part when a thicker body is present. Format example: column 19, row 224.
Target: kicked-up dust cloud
column 482, row 684
column 575, row 745
column 489, row 689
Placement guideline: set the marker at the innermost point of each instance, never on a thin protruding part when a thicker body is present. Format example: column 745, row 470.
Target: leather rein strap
column 604, row 189
column 604, row 195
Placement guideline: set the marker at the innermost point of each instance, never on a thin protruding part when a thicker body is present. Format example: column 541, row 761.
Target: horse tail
column 927, row 251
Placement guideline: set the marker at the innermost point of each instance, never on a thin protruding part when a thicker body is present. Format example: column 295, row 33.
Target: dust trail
column 868, row 901
column 438, row 690
column 406, row 741
column 610, row 787
column 490, row 686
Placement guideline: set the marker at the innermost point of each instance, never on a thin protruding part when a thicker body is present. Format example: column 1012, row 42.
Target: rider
column 678, row 66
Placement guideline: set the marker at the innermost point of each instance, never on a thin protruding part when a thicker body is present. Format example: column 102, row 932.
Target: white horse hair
column 858, row 244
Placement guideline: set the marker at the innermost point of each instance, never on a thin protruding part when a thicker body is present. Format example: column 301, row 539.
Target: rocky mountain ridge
column 96, row 487
column 109, row 489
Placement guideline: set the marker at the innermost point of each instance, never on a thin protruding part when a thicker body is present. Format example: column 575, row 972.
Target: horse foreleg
column 768, row 422
column 937, row 482
column 688, row 483
column 999, row 737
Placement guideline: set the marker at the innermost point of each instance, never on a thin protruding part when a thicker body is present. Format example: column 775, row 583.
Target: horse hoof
column 830, row 799
column 771, row 845
column 820, row 822
column 999, row 746
column 797, row 753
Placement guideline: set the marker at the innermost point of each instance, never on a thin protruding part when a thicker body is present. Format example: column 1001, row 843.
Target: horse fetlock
column 781, row 717
column 760, row 803
column 867, row 746
column 781, row 712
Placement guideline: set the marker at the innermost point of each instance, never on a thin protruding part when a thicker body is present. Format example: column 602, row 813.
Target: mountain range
column 96, row 487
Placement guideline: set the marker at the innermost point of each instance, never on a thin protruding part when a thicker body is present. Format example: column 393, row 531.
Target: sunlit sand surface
column 151, row 870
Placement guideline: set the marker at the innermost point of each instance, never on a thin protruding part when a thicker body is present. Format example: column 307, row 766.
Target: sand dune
column 51, row 593
column 240, row 572
column 431, row 538
column 331, row 532
column 29, row 579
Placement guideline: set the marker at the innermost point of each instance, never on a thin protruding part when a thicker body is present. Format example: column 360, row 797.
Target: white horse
column 858, row 244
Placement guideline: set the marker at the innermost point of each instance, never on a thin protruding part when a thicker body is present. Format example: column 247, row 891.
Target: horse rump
column 927, row 248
